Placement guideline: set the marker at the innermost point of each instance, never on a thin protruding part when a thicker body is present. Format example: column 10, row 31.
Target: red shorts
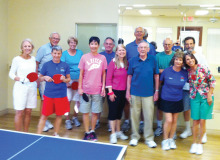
column 59, row 106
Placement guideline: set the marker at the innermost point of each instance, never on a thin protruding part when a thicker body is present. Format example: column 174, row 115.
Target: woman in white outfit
column 24, row 91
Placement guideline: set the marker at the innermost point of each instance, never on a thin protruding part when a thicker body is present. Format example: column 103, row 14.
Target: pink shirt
column 116, row 78
column 93, row 67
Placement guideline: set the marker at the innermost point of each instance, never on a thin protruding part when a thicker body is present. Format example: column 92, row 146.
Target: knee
column 28, row 112
column 169, row 120
column 19, row 113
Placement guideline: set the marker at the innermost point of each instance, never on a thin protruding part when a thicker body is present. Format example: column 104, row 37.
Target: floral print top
column 200, row 81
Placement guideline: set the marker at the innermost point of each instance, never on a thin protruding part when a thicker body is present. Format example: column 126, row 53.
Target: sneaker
column 204, row 138
column 125, row 126
column 172, row 143
column 158, row 131
column 48, row 124
column 46, row 129
column 186, row 134
column 93, row 137
column 56, row 135
column 97, row 125
column 113, row 138
column 121, row 135
column 175, row 137
column 68, row 125
column 133, row 142
column 86, row 136
column 199, row 149
column 151, row 144
column 76, row 122
column 109, row 128
column 165, row 144
column 193, row 148
column 141, row 128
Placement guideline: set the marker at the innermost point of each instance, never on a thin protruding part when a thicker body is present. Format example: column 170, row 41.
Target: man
column 189, row 46
column 177, row 46
column 109, row 44
column 143, row 73
column 132, row 51
column 43, row 56
column 163, row 60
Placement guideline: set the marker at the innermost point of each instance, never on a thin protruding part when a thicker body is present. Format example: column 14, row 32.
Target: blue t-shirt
column 44, row 55
column 132, row 50
column 173, row 84
column 50, row 68
column 142, row 82
column 73, row 62
column 108, row 56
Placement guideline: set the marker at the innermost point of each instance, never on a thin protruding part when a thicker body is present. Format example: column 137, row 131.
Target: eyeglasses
column 110, row 44
column 57, row 39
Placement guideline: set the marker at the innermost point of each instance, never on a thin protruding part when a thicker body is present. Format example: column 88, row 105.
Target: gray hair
column 72, row 38
column 27, row 40
column 139, row 27
column 168, row 39
column 51, row 35
column 144, row 42
column 57, row 48
column 110, row 39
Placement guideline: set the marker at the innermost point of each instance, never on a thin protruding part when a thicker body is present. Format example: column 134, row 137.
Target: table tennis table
column 26, row 146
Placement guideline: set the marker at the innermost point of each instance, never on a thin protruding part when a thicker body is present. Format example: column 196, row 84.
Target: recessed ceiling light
column 145, row 12
column 207, row 5
column 139, row 5
column 201, row 12
column 128, row 8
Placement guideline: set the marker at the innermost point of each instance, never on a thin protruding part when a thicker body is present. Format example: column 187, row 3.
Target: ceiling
column 170, row 8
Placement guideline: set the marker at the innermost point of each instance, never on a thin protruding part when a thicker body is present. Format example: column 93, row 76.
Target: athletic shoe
column 113, row 138
column 93, row 136
column 121, row 135
column 48, row 124
column 125, row 126
column 76, row 122
column 46, row 129
column 199, row 149
column 193, row 148
column 56, row 135
column 133, row 142
column 109, row 128
column 141, row 128
column 151, row 144
column 158, row 131
column 172, row 143
column 204, row 138
column 186, row 134
column 165, row 144
column 86, row 136
column 97, row 125
column 68, row 125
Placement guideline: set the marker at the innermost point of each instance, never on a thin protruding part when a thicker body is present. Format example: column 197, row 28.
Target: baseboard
column 3, row 112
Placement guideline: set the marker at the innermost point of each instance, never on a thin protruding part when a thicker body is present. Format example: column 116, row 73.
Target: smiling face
column 143, row 48
column 121, row 52
column 72, row 44
column 55, row 39
column 94, row 46
column 56, row 55
column 189, row 45
column 109, row 45
column 26, row 48
column 139, row 34
column 190, row 61
column 178, row 62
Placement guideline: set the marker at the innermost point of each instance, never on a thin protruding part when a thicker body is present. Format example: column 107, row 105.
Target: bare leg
column 202, row 129
column 113, row 125
column 195, row 130
column 118, row 125
column 186, row 115
column 94, row 119
column 174, row 124
column 159, row 115
column 41, row 123
column 57, row 124
column 19, row 120
column 86, row 121
column 27, row 118
column 167, row 125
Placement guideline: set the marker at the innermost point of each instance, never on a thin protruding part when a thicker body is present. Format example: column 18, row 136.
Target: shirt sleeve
column 105, row 64
column 13, row 69
column 110, row 72
column 63, row 57
column 210, row 78
column 130, row 69
column 40, row 54
column 81, row 63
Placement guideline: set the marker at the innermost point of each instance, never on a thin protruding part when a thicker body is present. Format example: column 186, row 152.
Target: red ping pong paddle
column 74, row 85
column 56, row 78
column 33, row 76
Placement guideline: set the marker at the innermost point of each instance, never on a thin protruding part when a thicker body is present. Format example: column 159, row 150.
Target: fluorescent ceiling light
column 145, row 12
column 128, row 8
column 207, row 5
column 214, row 8
column 201, row 12
column 139, row 5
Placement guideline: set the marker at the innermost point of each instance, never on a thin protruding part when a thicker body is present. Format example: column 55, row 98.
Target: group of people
column 132, row 78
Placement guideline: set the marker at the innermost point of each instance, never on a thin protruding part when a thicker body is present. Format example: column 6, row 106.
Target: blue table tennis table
column 25, row 146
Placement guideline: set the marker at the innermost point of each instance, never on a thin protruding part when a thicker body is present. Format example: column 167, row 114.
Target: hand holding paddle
column 58, row 78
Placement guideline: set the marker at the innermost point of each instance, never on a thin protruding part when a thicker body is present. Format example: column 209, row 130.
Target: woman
column 171, row 104
column 92, row 83
column 117, row 74
column 202, row 85
column 72, row 57
column 24, row 92
column 55, row 98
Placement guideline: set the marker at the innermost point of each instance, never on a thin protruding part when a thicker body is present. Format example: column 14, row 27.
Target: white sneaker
column 113, row 138
column 68, row 125
column 76, row 122
column 172, row 143
column 199, row 149
column 56, row 135
column 151, row 144
column 48, row 124
column 193, row 148
column 165, row 145
column 46, row 129
column 133, row 142
column 204, row 138
column 186, row 134
column 121, row 135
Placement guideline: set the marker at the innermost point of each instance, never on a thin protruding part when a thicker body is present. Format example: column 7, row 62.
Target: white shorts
column 24, row 95
column 72, row 95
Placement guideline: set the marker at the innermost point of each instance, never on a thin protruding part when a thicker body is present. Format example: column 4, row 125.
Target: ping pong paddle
column 56, row 78
column 85, row 97
column 74, row 85
column 33, row 76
